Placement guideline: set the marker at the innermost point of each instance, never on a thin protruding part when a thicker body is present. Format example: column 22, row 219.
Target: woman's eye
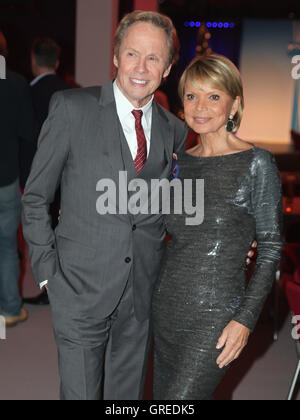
column 190, row 97
column 215, row 97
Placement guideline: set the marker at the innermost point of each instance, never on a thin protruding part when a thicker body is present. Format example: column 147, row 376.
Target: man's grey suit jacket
column 90, row 257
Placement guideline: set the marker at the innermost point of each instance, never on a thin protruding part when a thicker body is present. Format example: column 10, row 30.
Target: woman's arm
column 267, row 207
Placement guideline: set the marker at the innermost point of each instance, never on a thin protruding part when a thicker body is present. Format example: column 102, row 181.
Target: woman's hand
column 235, row 337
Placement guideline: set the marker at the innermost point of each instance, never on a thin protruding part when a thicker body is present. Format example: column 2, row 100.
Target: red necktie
column 141, row 157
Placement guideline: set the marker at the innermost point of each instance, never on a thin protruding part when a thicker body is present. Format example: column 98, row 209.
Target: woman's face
column 207, row 109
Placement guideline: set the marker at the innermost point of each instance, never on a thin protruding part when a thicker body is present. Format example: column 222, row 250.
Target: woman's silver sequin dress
column 202, row 285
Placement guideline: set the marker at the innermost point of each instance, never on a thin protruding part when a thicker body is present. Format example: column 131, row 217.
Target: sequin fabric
column 202, row 284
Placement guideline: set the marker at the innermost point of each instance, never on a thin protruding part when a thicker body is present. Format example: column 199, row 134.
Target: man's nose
column 141, row 66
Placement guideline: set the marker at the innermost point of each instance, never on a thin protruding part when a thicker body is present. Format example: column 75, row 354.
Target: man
column 45, row 60
column 101, row 268
column 17, row 133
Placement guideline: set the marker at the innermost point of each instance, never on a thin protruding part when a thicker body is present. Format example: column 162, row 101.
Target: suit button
column 134, row 227
column 128, row 260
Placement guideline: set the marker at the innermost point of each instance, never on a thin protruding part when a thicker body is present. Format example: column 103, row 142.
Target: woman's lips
column 201, row 120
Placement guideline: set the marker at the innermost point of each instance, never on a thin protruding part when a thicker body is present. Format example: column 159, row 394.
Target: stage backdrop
column 269, row 87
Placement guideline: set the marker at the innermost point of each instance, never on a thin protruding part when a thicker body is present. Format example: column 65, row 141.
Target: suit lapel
column 109, row 129
column 162, row 132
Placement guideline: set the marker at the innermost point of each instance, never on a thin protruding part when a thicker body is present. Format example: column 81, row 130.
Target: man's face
column 142, row 62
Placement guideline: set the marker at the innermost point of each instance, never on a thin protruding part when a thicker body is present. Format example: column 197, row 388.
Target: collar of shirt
column 41, row 76
column 124, row 109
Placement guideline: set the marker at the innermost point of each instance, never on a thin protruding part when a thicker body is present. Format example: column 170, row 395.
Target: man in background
column 45, row 61
column 17, row 134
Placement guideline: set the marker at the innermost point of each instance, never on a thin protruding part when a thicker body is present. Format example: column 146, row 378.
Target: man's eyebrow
column 151, row 54
column 132, row 49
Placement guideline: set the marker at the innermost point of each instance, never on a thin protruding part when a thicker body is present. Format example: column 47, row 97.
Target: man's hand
column 235, row 337
column 251, row 253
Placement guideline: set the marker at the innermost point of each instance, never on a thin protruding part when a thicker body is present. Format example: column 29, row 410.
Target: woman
column 203, row 312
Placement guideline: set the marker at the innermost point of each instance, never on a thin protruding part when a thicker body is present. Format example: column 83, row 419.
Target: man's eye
column 152, row 58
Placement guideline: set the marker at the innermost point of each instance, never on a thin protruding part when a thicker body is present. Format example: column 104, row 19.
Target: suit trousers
column 10, row 214
column 103, row 359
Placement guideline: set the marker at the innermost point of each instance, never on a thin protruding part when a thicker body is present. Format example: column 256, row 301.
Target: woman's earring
column 230, row 126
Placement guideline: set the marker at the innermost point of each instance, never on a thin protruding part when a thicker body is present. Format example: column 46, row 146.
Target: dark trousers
column 10, row 212
column 105, row 359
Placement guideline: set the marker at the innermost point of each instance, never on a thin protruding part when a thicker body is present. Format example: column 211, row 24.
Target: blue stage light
column 220, row 25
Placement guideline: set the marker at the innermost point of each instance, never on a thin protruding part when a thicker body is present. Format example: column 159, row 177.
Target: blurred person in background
column 18, row 133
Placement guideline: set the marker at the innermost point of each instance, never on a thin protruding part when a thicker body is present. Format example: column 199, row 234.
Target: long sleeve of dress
column 267, row 208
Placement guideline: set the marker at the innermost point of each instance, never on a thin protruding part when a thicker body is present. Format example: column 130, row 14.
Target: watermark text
column 296, row 69
column 296, row 329
column 160, row 196
column 2, row 328
column 2, row 67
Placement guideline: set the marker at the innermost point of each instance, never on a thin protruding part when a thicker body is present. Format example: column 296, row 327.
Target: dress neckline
column 221, row 156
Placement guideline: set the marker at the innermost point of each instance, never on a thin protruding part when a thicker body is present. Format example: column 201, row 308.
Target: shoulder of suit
column 169, row 116
column 80, row 94
column 16, row 78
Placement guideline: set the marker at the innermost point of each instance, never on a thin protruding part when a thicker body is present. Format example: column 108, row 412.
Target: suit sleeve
column 181, row 132
column 27, row 132
column 43, row 181
column 267, row 206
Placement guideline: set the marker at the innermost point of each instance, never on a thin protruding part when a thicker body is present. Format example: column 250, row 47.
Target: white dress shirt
column 127, row 120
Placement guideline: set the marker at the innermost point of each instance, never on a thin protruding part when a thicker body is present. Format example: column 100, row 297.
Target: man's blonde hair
column 156, row 19
column 218, row 72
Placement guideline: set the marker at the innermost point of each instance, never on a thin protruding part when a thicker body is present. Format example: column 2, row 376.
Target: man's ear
column 116, row 61
column 167, row 71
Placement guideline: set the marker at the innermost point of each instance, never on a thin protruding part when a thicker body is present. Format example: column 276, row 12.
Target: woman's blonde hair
column 218, row 72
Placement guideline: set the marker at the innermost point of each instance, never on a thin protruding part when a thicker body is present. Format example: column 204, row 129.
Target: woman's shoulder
column 263, row 156
column 264, row 165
